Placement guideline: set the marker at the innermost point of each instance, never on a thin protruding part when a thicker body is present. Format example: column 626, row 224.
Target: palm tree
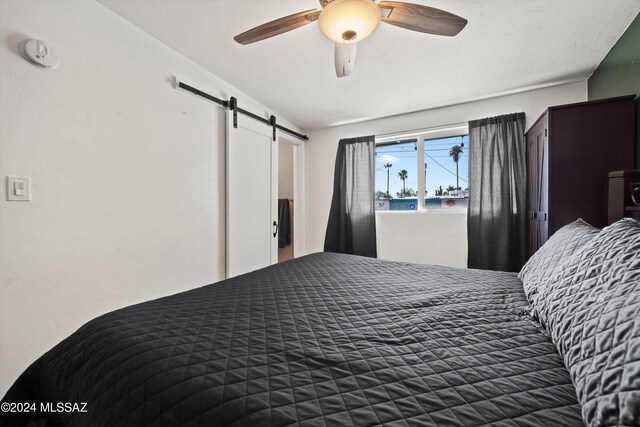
column 388, row 167
column 403, row 174
column 455, row 153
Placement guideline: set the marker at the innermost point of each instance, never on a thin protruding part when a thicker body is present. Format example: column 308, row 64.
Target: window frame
column 422, row 135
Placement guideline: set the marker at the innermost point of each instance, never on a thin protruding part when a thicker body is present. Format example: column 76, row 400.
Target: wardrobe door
column 532, row 192
column 542, row 215
column 537, row 185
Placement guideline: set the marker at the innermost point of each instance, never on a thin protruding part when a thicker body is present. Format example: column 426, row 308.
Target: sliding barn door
column 251, row 196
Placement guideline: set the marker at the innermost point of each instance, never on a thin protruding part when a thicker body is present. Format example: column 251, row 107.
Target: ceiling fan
column 349, row 21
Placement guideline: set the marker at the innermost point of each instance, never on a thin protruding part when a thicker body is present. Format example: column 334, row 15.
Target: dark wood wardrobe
column 570, row 151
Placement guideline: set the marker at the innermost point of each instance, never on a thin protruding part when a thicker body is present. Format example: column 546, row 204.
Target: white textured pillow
column 591, row 308
column 564, row 243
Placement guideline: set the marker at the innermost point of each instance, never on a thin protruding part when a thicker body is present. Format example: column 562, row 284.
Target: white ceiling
column 508, row 45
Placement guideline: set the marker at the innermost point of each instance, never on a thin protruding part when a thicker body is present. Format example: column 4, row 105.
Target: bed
column 326, row 339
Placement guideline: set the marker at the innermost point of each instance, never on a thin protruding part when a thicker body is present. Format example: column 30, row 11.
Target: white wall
column 127, row 174
column 423, row 237
column 415, row 229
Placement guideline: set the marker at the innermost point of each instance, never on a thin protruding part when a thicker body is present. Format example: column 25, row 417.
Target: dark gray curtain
column 497, row 193
column 352, row 223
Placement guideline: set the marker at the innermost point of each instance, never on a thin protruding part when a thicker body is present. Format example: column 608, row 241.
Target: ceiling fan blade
column 278, row 26
column 345, row 58
column 424, row 19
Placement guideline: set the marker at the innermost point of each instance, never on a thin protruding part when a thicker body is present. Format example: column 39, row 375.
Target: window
column 446, row 162
column 397, row 176
column 434, row 163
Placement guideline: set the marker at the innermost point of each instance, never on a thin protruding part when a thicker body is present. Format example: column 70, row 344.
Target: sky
column 441, row 170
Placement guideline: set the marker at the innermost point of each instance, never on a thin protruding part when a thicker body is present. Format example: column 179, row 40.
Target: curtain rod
column 232, row 104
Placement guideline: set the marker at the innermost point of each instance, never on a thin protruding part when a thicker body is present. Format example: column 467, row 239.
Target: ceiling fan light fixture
column 344, row 18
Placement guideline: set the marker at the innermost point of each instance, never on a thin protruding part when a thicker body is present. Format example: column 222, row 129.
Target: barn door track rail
column 232, row 104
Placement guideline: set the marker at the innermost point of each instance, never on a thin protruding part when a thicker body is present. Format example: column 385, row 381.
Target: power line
column 439, row 143
column 443, row 167
column 396, row 151
column 411, row 151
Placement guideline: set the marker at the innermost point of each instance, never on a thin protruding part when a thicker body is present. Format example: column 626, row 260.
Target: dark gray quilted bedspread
column 322, row 340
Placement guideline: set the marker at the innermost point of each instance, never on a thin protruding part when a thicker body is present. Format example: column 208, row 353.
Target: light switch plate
column 18, row 188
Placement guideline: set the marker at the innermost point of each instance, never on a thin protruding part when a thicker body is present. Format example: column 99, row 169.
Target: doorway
column 286, row 200
column 254, row 169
